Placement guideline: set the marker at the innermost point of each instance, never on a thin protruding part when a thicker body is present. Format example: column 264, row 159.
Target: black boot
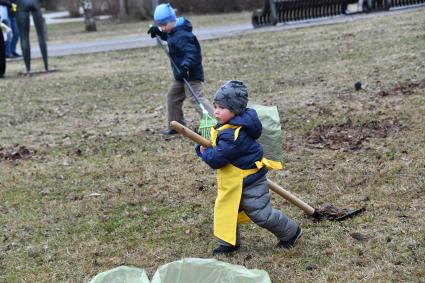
column 169, row 132
column 225, row 249
column 289, row 244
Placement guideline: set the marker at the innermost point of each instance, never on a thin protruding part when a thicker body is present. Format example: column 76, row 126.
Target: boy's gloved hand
column 198, row 150
column 184, row 73
column 154, row 31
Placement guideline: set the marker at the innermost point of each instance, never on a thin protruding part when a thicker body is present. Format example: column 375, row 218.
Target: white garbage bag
column 193, row 270
column 122, row 274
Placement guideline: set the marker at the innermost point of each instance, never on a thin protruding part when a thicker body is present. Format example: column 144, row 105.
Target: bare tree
column 72, row 6
column 123, row 13
column 142, row 9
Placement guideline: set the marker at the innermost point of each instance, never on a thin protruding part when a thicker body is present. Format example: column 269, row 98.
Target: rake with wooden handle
column 329, row 212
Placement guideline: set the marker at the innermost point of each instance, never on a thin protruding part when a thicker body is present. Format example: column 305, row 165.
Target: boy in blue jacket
column 243, row 192
column 185, row 51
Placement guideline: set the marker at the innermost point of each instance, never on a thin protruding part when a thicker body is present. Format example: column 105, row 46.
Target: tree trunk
column 123, row 14
column 73, row 6
column 141, row 9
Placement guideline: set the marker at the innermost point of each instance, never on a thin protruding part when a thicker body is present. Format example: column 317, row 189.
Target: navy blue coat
column 242, row 153
column 184, row 49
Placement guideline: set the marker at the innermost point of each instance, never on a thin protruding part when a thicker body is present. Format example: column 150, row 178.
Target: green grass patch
column 100, row 186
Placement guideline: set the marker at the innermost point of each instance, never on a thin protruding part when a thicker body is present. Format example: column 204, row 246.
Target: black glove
column 154, row 31
column 184, row 73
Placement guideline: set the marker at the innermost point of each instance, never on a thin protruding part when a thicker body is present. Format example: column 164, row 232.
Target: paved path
column 63, row 17
column 143, row 40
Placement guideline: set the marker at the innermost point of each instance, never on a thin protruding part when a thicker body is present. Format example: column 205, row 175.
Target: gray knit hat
column 233, row 95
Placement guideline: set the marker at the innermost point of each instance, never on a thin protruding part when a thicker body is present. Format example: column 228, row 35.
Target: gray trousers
column 176, row 96
column 256, row 203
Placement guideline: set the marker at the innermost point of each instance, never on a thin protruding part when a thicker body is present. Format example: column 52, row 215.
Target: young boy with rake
column 185, row 54
column 243, row 192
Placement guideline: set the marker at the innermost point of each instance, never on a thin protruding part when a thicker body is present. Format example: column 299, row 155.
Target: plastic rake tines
column 205, row 124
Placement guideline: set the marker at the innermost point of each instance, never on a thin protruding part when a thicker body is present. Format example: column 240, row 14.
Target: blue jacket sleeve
column 224, row 153
column 198, row 150
column 187, row 46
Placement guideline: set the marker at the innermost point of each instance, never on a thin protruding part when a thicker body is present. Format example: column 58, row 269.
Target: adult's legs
column 15, row 33
column 41, row 34
column 22, row 17
column 23, row 21
column 2, row 56
column 8, row 41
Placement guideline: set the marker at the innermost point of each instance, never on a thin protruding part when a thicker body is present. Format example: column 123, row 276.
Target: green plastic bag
column 194, row 270
column 271, row 137
column 122, row 274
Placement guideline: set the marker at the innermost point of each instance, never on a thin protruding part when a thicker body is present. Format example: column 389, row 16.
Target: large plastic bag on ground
column 194, row 270
column 271, row 136
column 122, row 274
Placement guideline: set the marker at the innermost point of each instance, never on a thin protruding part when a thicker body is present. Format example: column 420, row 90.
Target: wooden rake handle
column 272, row 185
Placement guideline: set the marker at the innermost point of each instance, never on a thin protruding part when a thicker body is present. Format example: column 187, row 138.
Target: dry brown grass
column 104, row 188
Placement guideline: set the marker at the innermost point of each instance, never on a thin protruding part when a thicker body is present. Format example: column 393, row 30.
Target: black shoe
column 225, row 249
column 16, row 55
column 291, row 242
column 169, row 132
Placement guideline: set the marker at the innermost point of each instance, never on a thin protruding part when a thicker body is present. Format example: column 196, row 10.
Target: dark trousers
column 15, row 33
column 2, row 55
column 25, row 7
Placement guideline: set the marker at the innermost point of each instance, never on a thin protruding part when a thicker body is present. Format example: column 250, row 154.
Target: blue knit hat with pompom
column 164, row 14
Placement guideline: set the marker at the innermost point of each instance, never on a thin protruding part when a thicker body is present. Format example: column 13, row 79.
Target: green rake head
column 205, row 125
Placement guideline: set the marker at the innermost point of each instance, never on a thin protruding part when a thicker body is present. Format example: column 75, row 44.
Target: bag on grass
column 187, row 270
column 122, row 274
column 207, row 271
column 271, row 136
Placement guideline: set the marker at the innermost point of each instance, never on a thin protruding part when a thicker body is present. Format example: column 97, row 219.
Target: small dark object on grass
column 359, row 236
column 310, row 266
column 358, row 86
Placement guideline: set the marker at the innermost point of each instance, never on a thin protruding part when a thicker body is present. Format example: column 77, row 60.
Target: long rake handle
column 290, row 197
column 272, row 185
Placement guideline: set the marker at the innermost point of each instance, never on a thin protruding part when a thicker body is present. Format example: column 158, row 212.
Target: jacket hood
column 183, row 24
column 249, row 121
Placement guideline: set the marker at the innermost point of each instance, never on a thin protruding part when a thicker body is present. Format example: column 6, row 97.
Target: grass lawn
column 88, row 183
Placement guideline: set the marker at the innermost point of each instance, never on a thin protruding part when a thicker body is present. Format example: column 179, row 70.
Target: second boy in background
column 185, row 51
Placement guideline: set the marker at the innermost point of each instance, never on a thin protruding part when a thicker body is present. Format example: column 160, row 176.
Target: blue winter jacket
column 242, row 153
column 185, row 50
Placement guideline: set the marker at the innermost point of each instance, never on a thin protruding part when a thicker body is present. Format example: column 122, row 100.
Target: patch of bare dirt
column 16, row 152
column 407, row 88
column 348, row 136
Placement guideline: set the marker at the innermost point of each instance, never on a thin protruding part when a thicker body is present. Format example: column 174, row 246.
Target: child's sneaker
column 221, row 249
column 289, row 244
